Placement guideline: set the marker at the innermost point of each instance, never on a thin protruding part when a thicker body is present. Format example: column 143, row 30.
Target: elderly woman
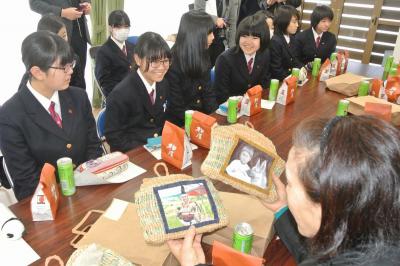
column 342, row 191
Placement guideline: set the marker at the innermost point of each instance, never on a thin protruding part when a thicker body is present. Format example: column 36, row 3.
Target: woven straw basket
column 223, row 143
column 150, row 214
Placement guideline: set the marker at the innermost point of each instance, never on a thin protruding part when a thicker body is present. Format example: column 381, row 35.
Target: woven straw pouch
column 168, row 205
column 227, row 143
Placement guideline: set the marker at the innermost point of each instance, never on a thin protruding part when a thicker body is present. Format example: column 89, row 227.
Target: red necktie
column 54, row 115
column 151, row 95
column 250, row 65
column 317, row 41
column 124, row 50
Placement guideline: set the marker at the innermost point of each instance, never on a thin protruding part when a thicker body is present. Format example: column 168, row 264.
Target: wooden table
column 53, row 237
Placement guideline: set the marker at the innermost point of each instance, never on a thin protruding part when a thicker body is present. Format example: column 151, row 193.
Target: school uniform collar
column 119, row 44
column 248, row 57
column 149, row 87
column 287, row 38
column 44, row 101
column 315, row 34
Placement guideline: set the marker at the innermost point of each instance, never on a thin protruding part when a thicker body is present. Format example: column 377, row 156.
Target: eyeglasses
column 66, row 68
column 158, row 63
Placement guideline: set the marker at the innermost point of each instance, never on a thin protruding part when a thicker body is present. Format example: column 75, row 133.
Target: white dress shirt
column 44, row 101
column 149, row 87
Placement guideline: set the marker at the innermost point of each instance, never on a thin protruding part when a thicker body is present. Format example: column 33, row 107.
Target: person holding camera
column 224, row 14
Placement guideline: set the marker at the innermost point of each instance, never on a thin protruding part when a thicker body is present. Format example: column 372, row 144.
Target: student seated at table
column 316, row 41
column 283, row 58
column 342, row 195
column 46, row 119
column 136, row 107
column 248, row 63
column 56, row 25
column 269, row 20
column 114, row 58
column 189, row 74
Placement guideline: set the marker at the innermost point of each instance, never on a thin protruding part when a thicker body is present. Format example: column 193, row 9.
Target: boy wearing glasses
column 46, row 119
column 136, row 106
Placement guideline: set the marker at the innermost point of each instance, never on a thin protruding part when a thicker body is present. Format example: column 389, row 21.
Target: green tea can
column 333, row 57
column 388, row 63
column 232, row 109
column 188, row 121
column 342, row 108
column 66, row 176
column 393, row 72
column 243, row 238
column 273, row 89
column 315, row 67
column 296, row 72
column 364, row 88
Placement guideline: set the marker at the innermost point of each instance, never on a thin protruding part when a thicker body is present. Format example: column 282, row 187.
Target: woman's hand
column 282, row 197
column 188, row 251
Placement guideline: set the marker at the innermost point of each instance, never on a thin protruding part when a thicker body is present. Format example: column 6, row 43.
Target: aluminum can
column 66, row 176
column 343, row 107
column 243, row 238
column 232, row 110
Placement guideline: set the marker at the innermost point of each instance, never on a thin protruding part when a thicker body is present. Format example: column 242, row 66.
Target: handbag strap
column 76, row 230
column 249, row 124
column 155, row 169
column 54, row 257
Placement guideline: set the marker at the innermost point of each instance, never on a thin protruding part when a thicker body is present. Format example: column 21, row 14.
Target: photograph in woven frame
column 249, row 164
column 186, row 203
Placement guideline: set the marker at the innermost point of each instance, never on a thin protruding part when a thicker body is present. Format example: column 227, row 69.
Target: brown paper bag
column 175, row 146
column 357, row 105
column 125, row 237
column 259, row 217
column 200, row 129
column 380, row 110
column 346, row 84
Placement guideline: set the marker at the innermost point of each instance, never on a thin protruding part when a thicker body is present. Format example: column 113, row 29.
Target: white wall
column 156, row 15
column 396, row 52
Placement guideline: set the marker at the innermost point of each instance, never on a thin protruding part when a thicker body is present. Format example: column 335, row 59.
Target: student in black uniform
column 46, row 119
column 114, row 58
column 136, row 106
column 282, row 55
column 316, row 41
column 247, row 64
column 56, row 25
column 189, row 75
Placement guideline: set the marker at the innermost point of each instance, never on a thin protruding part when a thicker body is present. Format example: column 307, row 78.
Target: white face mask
column 121, row 34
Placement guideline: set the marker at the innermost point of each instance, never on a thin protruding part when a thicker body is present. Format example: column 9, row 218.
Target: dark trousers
column 79, row 45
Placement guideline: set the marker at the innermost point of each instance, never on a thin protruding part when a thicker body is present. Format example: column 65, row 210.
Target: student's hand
column 188, row 251
column 88, row 8
column 282, row 197
column 270, row 2
column 71, row 13
column 220, row 23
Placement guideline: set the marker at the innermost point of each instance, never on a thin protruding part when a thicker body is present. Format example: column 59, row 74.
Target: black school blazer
column 232, row 77
column 306, row 50
column 282, row 56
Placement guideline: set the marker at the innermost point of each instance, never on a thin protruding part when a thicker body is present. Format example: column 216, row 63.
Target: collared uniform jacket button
column 69, row 146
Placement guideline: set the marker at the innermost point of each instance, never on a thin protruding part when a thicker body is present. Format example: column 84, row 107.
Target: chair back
column 133, row 39
column 93, row 52
column 100, row 128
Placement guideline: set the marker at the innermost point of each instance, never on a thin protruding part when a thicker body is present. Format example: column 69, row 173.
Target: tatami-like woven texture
column 149, row 212
column 223, row 140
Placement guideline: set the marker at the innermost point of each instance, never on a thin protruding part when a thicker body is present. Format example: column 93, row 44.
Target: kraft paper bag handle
column 54, row 257
column 249, row 124
column 155, row 169
column 76, row 231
